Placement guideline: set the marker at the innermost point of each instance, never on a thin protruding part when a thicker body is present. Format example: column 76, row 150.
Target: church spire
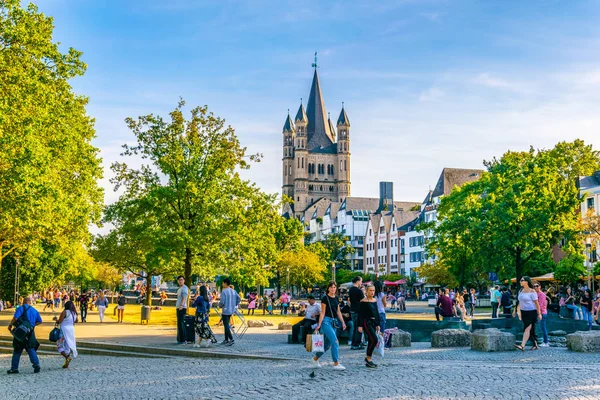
column 318, row 132
column 301, row 114
column 289, row 125
column 343, row 118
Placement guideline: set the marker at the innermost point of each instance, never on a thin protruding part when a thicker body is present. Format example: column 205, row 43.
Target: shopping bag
column 318, row 343
column 308, row 343
column 55, row 335
column 379, row 348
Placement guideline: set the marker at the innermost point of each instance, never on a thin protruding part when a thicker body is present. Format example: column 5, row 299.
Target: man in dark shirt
column 355, row 296
column 444, row 306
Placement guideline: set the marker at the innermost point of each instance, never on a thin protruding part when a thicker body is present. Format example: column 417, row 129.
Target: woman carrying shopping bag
column 368, row 322
column 329, row 320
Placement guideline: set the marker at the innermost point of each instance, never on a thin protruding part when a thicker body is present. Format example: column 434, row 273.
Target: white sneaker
column 315, row 363
column 196, row 345
column 339, row 367
column 544, row 345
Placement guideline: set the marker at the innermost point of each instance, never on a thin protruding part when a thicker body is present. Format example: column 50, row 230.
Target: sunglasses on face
column 536, row 285
column 522, row 280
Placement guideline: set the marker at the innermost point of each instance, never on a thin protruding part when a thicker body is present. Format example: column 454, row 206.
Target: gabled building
column 384, row 231
column 413, row 240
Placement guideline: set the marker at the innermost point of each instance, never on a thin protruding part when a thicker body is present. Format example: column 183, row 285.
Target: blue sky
column 427, row 84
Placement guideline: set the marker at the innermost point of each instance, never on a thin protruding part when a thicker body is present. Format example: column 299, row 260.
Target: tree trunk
column 187, row 267
column 148, row 289
column 278, row 284
column 518, row 266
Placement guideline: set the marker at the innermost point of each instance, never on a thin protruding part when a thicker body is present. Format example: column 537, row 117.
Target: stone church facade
column 316, row 155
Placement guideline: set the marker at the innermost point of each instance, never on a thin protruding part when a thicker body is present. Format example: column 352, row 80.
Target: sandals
column 535, row 347
column 67, row 362
column 519, row 347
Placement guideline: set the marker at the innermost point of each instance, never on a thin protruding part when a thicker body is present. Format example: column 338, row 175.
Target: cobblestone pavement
column 419, row 372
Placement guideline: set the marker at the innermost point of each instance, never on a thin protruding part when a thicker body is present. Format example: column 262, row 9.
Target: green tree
column 192, row 185
column 570, row 269
column 48, row 166
column 305, row 267
column 137, row 244
column 339, row 251
column 508, row 221
column 437, row 273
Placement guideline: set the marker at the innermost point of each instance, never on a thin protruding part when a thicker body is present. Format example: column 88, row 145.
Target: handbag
column 55, row 334
column 336, row 322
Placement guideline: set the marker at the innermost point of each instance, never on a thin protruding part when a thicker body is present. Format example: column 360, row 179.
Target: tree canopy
column 48, row 167
column 509, row 220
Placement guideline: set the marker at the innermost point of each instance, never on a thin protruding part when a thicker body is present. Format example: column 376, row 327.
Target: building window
column 590, row 203
column 302, row 162
column 381, row 229
column 370, row 232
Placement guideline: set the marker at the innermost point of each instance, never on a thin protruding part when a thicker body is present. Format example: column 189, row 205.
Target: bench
column 421, row 330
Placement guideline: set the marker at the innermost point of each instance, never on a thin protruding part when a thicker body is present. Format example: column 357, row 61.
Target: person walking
column 202, row 305
column 543, row 302
column 587, row 305
column 181, row 307
column 101, row 304
column 381, row 304
column 83, row 305
column 472, row 301
column 229, row 301
column 121, row 301
column 368, row 320
column 29, row 317
column 49, row 301
column 355, row 295
column 329, row 321
column 528, row 311
column 284, row 300
column 67, row 345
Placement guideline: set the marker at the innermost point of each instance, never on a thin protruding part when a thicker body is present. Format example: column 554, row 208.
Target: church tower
column 315, row 165
column 343, row 149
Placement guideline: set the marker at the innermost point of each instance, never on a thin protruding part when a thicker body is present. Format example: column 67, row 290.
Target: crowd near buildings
column 383, row 231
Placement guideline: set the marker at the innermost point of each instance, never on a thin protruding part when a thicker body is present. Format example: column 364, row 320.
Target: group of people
column 228, row 302
column 361, row 313
column 26, row 318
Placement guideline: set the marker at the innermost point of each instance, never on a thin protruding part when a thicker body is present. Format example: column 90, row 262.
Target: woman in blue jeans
column 587, row 304
column 329, row 319
column 570, row 303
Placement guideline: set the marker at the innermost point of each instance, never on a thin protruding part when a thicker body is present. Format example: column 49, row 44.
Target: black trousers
column 180, row 325
column 438, row 312
column 371, row 333
column 227, row 326
column 529, row 318
column 83, row 311
column 494, row 309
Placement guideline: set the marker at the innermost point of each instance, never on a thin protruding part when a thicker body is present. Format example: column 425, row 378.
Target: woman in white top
column 66, row 344
column 101, row 303
column 529, row 312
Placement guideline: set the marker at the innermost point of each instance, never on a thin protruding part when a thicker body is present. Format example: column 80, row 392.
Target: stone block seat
column 584, row 341
column 400, row 339
column 491, row 340
column 451, row 338
column 421, row 330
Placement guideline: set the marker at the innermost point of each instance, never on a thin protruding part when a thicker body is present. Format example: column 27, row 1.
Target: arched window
column 302, row 162
column 321, row 188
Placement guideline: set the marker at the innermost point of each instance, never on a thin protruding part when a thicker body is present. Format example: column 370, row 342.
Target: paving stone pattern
column 419, row 372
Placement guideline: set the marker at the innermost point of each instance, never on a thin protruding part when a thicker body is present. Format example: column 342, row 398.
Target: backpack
column 23, row 327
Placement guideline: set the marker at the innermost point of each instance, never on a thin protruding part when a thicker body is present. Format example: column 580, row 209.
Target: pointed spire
column 343, row 118
column 289, row 125
column 318, row 132
column 301, row 114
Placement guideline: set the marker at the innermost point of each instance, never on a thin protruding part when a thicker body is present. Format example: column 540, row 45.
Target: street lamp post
column 333, row 271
